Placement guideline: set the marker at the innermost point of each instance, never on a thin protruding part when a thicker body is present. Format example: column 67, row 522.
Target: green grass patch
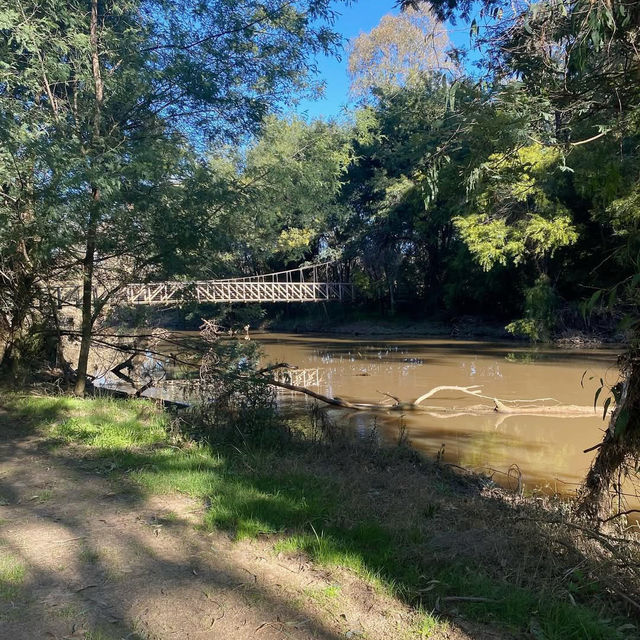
column 112, row 428
column 429, row 624
column 257, row 504
column 12, row 575
column 332, row 592
column 366, row 549
column 327, row 597
column 42, row 409
column 518, row 608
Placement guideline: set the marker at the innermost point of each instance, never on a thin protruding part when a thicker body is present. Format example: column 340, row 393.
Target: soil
column 103, row 561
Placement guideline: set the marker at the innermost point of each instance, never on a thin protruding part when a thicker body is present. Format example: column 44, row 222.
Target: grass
column 325, row 596
column 429, row 624
column 44, row 496
column 88, row 556
column 267, row 493
column 12, row 575
column 371, row 552
column 67, row 612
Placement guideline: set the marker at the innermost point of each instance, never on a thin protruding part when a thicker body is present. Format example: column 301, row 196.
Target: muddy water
column 547, row 450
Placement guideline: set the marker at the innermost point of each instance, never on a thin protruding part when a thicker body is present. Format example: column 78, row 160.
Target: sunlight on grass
column 365, row 550
column 195, row 472
column 430, row 624
column 109, row 426
column 40, row 411
column 261, row 494
column 12, row 574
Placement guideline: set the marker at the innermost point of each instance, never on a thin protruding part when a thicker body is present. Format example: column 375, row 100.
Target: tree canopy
column 398, row 51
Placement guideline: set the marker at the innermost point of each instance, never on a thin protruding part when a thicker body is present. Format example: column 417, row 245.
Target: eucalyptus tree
column 105, row 105
column 398, row 51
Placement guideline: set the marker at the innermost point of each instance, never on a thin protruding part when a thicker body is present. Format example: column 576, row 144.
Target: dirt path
column 102, row 561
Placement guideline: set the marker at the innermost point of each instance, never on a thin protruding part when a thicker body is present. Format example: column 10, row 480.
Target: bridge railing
column 304, row 284
column 237, row 291
column 322, row 272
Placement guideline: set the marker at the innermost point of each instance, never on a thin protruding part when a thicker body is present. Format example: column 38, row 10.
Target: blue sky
column 354, row 19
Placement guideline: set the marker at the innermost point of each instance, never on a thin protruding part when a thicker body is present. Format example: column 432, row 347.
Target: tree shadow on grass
column 416, row 529
column 437, row 540
column 86, row 559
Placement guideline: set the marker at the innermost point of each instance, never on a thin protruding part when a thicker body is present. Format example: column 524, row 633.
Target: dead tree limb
column 499, row 406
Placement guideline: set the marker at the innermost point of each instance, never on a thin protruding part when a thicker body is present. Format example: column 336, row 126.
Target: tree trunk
column 88, row 263
column 620, row 444
column 390, row 287
column 22, row 304
column 86, row 330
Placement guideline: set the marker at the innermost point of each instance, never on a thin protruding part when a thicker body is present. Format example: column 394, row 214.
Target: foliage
column 293, row 173
column 234, row 405
column 540, row 305
column 398, row 52
column 518, row 214
column 580, row 60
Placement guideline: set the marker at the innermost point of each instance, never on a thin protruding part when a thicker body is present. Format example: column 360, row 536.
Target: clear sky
column 361, row 16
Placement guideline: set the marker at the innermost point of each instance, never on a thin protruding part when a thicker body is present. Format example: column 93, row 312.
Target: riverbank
column 372, row 325
column 329, row 318
column 335, row 319
column 114, row 521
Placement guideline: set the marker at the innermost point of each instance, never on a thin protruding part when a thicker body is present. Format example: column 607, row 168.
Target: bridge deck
column 297, row 285
column 236, row 291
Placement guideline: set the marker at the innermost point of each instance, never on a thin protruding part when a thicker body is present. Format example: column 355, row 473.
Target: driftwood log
column 497, row 405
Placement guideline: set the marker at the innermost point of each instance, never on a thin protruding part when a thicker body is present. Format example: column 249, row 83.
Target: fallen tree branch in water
column 499, row 405
column 336, row 402
column 474, row 390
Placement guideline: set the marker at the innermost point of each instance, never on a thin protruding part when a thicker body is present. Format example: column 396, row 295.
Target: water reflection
column 547, row 449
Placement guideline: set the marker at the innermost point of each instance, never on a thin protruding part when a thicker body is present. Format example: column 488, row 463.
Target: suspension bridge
column 314, row 283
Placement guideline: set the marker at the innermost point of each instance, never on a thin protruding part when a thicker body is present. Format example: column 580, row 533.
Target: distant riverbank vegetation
column 149, row 140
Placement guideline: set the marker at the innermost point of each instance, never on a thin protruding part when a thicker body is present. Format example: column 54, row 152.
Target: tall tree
column 398, row 52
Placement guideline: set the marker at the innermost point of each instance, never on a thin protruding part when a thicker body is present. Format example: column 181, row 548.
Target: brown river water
column 547, row 450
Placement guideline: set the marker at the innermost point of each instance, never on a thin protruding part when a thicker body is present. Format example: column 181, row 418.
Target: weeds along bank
column 450, row 544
